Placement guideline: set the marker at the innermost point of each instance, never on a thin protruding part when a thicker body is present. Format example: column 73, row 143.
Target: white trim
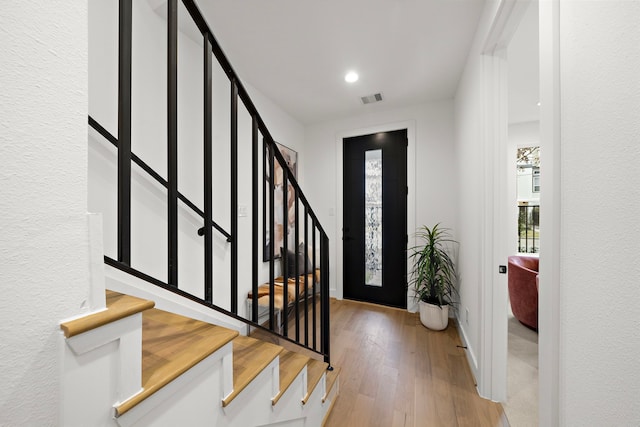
column 472, row 360
column 127, row 332
column 207, row 370
column 549, row 296
column 492, row 368
column 410, row 126
column 493, row 328
column 549, row 344
column 505, row 24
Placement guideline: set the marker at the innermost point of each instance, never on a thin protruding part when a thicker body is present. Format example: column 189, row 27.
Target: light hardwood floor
column 395, row 372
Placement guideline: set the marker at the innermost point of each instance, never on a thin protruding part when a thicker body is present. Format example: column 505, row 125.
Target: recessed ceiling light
column 351, row 77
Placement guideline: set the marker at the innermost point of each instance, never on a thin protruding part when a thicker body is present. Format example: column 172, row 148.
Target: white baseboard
column 471, row 357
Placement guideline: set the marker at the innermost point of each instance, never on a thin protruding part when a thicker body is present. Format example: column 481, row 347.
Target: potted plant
column 433, row 275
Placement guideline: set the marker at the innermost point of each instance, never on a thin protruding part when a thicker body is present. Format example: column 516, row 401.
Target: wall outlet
column 466, row 315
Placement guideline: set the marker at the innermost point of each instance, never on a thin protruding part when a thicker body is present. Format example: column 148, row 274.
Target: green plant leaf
column 433, row 274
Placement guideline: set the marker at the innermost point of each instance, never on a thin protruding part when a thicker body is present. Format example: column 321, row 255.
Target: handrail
column 159, row 283
column 114, row 141
column 306, row 301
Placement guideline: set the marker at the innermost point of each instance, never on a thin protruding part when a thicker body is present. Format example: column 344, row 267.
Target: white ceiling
column 296, row 52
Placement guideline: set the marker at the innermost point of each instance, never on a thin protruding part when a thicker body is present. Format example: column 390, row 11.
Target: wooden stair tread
column 291, row 364
column 171, row 345
column 315, row 370
column 250, row 357
column 332, row 376
column 119, row 306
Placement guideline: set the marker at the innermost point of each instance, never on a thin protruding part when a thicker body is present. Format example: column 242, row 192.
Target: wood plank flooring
column 397, row 373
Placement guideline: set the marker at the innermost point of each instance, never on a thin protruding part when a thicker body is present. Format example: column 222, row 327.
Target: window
column 373, row 218
column 535, row 180
column 528, row 198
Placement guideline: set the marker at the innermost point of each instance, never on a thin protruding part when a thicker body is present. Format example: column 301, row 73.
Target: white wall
column 283, row 128
column 432, row 192
column 600, row 190
column 44, row 245
column 149, row 139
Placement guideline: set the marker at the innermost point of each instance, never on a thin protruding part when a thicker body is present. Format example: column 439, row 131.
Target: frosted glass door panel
column 373, row 218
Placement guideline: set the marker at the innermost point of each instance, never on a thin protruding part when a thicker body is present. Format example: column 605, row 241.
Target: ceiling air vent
column 370, row 99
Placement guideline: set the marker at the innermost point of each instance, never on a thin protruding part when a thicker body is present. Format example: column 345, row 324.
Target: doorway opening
column 523, row 198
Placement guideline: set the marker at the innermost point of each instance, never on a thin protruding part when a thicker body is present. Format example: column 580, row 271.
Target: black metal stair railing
column 304, row 320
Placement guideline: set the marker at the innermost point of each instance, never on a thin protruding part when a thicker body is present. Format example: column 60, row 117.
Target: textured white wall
column 600, row 272
column 435, row 179
column 44, row 260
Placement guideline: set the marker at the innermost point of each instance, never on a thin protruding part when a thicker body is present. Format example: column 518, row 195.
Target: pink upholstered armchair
column 523, row 289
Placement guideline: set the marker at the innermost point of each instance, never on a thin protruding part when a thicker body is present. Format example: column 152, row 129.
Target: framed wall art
column 291, row 159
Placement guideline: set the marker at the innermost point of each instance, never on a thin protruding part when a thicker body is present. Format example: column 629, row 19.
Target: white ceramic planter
column 434, row 317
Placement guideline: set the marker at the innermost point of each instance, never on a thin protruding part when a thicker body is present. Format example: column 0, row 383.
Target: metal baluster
column 254, row 218
column 296, row 264
column 172, row 140
column 125, row 23
column 313, row 283
column 324, row 293
column 272, row 237
column 285, row 248
column 234, row 197
column 208, row 172
column 306, row 276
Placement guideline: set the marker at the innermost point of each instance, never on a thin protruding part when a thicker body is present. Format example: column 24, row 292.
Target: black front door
column 375, row 218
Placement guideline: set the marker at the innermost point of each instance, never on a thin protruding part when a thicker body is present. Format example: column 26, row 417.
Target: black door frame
column 337, row 287
column 393, row 290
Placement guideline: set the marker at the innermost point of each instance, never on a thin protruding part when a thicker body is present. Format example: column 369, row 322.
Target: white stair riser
column 191, row 399
column 108, row 358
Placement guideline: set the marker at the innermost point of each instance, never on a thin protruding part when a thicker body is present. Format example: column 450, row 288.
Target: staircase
column 183, row 261
column 132, row 364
